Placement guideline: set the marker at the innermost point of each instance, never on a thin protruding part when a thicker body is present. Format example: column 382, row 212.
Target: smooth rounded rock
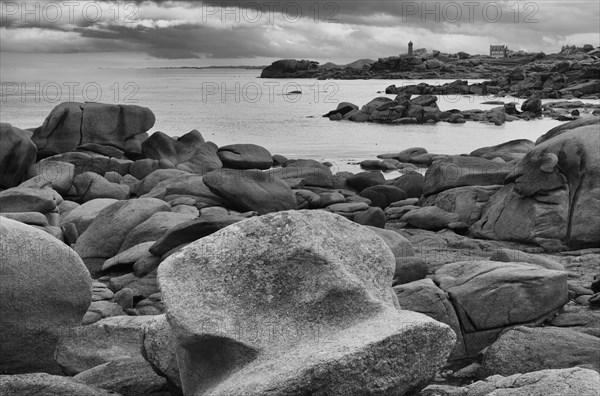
column 245, row 156
column 17, row 154
column 105, row 235
column 251, row 190
column 44, row 290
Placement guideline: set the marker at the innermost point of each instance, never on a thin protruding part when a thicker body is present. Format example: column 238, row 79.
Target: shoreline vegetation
column 140, row 264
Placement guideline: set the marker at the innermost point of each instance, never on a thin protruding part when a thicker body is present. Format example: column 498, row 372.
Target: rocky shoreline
column 423, row 109
column 573, row 73
column 152, row 265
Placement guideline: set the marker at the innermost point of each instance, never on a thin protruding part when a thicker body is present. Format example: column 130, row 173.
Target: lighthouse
column 410, row 48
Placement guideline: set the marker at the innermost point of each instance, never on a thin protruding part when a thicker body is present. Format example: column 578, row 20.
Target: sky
column 195, row 33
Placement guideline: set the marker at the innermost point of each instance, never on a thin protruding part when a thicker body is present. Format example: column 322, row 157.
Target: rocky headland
column 572, row 73
column 152, row 265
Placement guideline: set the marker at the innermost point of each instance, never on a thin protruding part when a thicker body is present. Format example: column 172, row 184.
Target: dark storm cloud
column 185, row 41
column 247, row 29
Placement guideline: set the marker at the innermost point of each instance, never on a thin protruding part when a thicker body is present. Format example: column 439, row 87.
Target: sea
column 229, row 105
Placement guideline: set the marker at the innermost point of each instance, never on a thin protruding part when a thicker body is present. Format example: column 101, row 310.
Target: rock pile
column 101, row 245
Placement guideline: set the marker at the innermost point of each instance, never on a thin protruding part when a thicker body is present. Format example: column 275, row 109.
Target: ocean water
column 235, row 106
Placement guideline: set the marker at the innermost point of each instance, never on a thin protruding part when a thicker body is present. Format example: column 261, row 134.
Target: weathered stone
column 467, row 202
column 128, row 376
column 23, row 199
column 17, row 154
column 105, row 235
column 191, row 231
column 109, row 339
column 47, row 385
column 566, row 382
column 331, row 198
column 251, row 190
column 532, row 105
column 100, row 310
column 398, row 244
column 191, row 186
column 154, row 228
column 91, row 186
column 130, row 255
column 31, row 218
column 158, row 348
column 552, row 197
column 383, row 195
column 312, row 175
column 90, row 162
column 525, row 349
column 509, row 151
column 411, row 183
column 491, row 295
column 141, row 287
column 146, row 265
column 44, row 290
column 280, row 261
column 56, row 173
column 72, row 124
column 425, row 297
column 102, row 149
column 188, row 153
column 371, row 217
column 409, row 269
column 154, row 178
column 143, row 167
column 83, row 215
column 362, row 180
column 430, row 218
column 245, row 156
column 517, row 256
column 348, row 207
column 567, row 126
column 458, row 171
column 100, row 292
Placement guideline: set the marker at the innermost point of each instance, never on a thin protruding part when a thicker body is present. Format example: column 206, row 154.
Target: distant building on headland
column 498, row 51
column 410, row 48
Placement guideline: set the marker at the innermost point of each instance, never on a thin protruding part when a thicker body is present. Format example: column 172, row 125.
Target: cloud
column 292, row 29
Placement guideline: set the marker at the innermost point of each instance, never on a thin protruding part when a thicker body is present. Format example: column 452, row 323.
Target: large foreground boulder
column 295, row 302
column 552, row 197
column 44, row 290
column 17, row 154
column 72, row 124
